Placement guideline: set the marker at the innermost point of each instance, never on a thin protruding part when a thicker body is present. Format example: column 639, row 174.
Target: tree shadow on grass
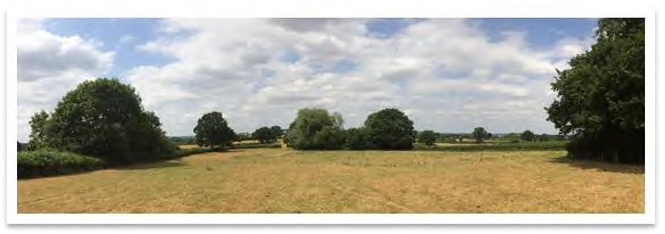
column 601, row 166
column 154, row 165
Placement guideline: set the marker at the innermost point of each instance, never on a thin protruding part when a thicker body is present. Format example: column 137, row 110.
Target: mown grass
column 287, row 181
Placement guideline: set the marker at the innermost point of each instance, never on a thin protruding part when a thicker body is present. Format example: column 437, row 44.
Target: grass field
column 287, row 181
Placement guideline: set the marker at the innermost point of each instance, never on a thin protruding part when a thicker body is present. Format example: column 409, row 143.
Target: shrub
column 47, row 162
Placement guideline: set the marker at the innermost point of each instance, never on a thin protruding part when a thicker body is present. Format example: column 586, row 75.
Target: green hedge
column 44, row 162
column 257, row 145
column 523, row 146
column 186, row 152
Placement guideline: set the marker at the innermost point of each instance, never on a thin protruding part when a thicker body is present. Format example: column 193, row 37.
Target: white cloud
column 502, row 85
column 446, row 74
column 50, row 65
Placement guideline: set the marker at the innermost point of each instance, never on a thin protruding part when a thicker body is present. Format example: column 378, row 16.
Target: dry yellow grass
column 286, row 181
column 188, row 146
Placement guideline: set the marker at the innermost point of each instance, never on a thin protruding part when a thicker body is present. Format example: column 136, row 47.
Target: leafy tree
column 213, row 131
column 356, row 139
column 264, row 135
column 105, row 119
column 315, row 129
column 38, row 123
column 389, row 129
column 277, row 131
column 600, row 98
column 528, row 136
column 479, row 133
column 428, row 137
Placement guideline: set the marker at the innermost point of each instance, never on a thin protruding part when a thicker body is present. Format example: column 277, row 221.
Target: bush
column 46, row 162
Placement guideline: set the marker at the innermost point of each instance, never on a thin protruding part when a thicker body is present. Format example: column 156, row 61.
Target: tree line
column 600, row 98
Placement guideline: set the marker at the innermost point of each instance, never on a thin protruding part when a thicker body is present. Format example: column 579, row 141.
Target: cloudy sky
column 448, row 75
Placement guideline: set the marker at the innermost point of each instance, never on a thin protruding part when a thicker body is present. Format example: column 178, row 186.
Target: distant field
column 188, row 146
column 287, row 181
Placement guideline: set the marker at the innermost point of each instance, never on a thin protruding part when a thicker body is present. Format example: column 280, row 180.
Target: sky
column 447, row 75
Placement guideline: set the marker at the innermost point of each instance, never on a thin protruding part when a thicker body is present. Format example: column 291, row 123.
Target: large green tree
column 212, row 131
column 316, row 129
column 479, row 134
column 389, row 129
column 102, row 118
column 600, row 98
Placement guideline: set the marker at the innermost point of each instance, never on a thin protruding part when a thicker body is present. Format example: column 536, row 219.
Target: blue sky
column 441, row 72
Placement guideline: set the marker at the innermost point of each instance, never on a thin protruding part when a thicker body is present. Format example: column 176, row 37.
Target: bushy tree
column 212, row 131
column 480, row 134
column 428, row 137
column 356, row 139
column 277, row 131
column 315, row 129
column 600, row 98
column 38, row 136
column 389, row 129
column 102, row 118
column 528, row 136
column 264, row 135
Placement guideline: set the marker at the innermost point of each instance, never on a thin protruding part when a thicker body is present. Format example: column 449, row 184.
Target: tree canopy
column 600, row 98
column 480, row 134
column 389, row 129
column 212, row 130
column 428, row 137
column 316, row 129
column 102, row 118
column 265, row 134
column 528, row 136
